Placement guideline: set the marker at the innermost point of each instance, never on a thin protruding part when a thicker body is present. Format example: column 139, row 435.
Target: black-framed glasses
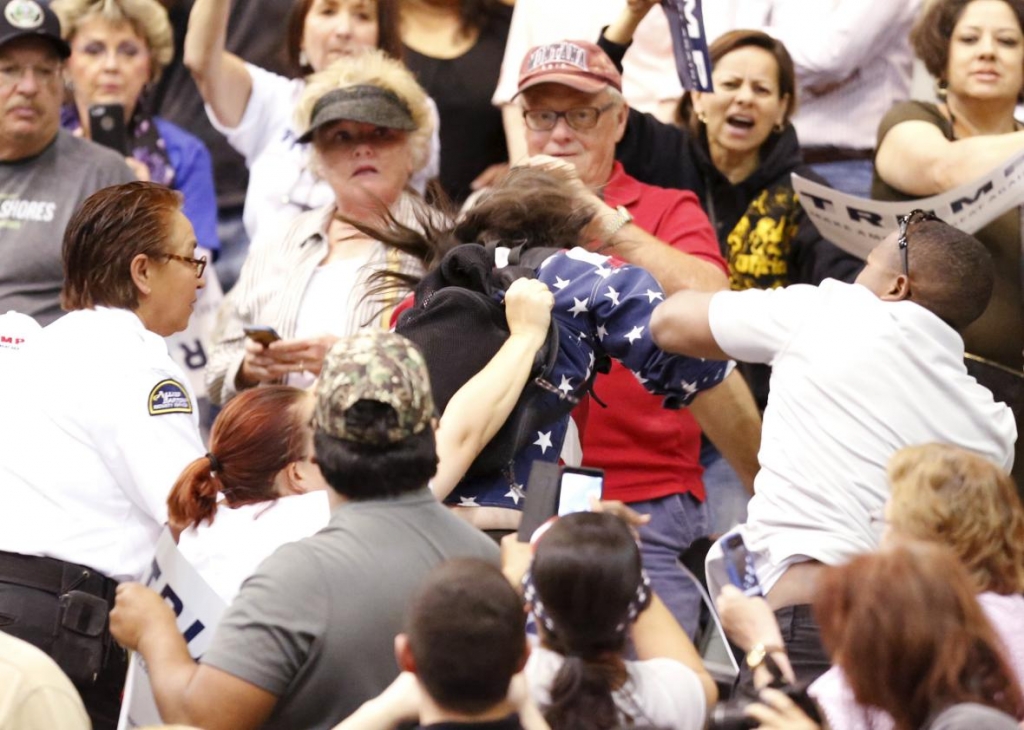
column 915, row 216
column 578, row 118
column 199, row 263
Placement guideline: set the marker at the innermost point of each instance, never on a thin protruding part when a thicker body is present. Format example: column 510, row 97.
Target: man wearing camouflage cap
column 310, row 635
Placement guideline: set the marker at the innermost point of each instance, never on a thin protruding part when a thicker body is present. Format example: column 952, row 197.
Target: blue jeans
column 676, row 521
column 726, row 496
column 847, row 176
column 802, row 637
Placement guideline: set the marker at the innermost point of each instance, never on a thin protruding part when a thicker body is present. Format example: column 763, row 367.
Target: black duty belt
column 54, row 576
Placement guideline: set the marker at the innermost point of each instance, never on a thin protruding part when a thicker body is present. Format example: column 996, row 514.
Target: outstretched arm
column 480, row 407
column 680, row 324
column 185, row 692
column 222, row 78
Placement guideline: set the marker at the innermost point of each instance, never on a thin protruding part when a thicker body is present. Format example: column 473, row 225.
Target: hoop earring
column 780, row 127
column 702, row 117
column 941, row 89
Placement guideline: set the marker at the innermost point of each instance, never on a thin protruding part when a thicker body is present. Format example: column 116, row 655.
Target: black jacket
column 762, row 229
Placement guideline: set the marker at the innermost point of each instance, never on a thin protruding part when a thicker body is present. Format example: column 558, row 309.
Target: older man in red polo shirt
column 571, row 95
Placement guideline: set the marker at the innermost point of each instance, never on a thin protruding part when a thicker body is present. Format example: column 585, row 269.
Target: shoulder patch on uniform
column 169, row 396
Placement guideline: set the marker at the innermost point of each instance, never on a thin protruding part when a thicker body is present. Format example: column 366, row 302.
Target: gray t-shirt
column 972, row 716
column 315, row 625
column 38, row 195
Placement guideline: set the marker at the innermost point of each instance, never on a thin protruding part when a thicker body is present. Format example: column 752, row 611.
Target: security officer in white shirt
column 97, row 421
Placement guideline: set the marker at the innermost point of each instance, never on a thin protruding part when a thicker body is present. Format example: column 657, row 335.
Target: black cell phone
column 553, row 490
column 261, row 334
column 107, row 127
column 739, row 565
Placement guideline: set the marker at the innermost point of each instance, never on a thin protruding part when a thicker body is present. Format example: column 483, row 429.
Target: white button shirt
column 97, row 421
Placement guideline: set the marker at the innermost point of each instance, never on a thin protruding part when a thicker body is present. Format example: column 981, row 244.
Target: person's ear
column 403, row 654
column 780, row 123
column 295, row 481
column 697, row 102
column 898, row 289
column 622, row 116
column 141, row 269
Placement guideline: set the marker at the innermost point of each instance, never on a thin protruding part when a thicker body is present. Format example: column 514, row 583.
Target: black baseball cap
column 364, row 103
column 23, row 18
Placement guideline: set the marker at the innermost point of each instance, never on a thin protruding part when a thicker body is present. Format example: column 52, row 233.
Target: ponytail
column 581, row 694
column 259, row 433
column 193, row 497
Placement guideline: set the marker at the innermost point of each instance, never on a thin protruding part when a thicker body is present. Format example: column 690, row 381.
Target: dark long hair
column 529, row 206
column 907, row 630
column 257, row 435
column 586, row 571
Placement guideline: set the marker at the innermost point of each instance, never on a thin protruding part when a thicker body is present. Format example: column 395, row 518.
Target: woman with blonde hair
column 119, row 49
column 252, row 107
column 370, row 127
column 950, row 496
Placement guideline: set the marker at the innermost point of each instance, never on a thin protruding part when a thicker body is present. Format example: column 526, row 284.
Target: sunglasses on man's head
column 915, row 216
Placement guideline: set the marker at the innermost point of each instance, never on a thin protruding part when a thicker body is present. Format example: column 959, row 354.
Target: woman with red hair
column 255, row 490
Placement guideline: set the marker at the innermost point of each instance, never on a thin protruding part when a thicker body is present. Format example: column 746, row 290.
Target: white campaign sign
column 857, row 225
column 198, row 608
column 191, row 348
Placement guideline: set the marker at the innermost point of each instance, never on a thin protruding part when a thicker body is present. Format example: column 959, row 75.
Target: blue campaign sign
column 689, row 43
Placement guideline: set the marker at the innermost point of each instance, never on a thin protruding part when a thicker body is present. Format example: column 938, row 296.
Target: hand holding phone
column 107, row 127
column 261, row 334
column 739, row 565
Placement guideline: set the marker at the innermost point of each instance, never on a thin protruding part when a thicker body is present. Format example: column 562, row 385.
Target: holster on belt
column 81, row 636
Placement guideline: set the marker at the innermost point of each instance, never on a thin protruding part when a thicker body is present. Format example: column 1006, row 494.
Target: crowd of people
column 668, row 315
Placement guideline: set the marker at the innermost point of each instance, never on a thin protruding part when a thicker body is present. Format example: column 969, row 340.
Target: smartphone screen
column 740, row 565
column 577, row 487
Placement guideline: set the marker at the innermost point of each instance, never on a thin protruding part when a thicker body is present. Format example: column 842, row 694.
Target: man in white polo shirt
column 858, row 371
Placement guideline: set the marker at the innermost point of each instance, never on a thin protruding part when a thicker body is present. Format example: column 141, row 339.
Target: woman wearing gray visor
column 370, row 129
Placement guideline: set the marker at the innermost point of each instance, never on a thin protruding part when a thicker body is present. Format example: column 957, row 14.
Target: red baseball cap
column 580, row 65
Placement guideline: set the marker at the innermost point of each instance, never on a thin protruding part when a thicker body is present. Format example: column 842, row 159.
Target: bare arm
column 222, row 78
column 748, row 622
column 481, row 406
column 915, row 157
column 185, row 692
column 657, row 634
column 622, row 30
column 680, row 325
column 673, row 269
column 729, row 417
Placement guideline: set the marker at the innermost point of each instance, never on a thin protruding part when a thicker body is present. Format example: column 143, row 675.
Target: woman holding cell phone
column 370, row 128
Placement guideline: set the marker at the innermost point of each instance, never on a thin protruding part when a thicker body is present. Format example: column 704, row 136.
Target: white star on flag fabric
column 579, row 306
column 689, row 388
column 565, row 386
column 613, row 295
column 561, row 283
column 654, row 295
column 635, row 334
column 602, row 332
column 543, row 441
column 603, row 272
column 640, row 378
column 516, row 493
column 468, row 502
